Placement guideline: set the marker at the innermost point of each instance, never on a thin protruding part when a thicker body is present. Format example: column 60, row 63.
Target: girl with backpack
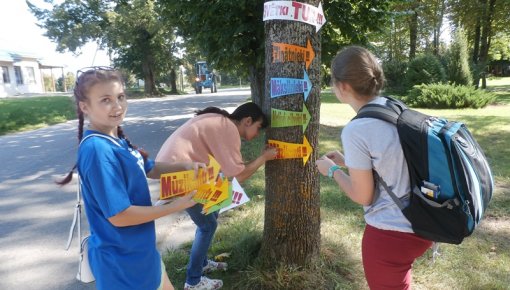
column 113, row 178
column 389, row 246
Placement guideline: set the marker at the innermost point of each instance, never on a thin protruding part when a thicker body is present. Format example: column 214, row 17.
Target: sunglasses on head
column 91, row 69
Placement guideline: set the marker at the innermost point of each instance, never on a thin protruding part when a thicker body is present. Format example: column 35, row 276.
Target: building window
column 19, row 75
column 31, row 74
column 5, row 75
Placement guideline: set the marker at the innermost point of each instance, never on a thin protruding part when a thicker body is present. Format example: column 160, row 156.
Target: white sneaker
column 215, row 266
column 205, row 284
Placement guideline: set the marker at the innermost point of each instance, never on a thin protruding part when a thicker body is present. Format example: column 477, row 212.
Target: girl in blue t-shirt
column 113, row 175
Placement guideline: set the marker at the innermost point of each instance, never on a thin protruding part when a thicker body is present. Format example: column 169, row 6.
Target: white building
column 22, row 73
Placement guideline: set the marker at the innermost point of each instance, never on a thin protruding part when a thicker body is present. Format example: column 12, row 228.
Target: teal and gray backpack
column 451, row 180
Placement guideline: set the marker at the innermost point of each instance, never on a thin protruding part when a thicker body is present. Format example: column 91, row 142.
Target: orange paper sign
column 283, row 52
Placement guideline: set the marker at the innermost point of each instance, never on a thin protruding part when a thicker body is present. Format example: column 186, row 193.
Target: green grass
column 501, row 87
column 480, row 262
column 21, row 114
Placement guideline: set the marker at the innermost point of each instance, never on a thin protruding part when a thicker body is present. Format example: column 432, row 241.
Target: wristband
column 332, row 170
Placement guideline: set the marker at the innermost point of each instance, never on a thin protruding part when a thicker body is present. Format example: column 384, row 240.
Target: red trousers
column 388, row 257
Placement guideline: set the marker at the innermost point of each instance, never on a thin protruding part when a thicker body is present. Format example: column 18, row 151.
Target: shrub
column 425, row 69
column 443, row 96
column 394, row 73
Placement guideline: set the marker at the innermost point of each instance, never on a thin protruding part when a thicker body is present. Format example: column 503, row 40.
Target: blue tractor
column 205, row 78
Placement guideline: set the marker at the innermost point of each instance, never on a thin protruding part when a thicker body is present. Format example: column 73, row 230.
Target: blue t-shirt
column 113, row 178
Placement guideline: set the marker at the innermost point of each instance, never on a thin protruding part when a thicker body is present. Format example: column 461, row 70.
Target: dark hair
column 249, row 109
column 86, row 79
column 358, row 67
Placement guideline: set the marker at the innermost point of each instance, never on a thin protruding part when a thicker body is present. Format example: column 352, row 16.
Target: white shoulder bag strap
column 77, row 207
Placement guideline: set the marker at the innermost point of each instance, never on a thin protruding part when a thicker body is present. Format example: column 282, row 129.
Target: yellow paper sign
column 218, row 193
column 179, row 183
column 292, row 150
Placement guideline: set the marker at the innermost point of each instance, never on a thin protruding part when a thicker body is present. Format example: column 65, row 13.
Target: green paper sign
column 282, row 118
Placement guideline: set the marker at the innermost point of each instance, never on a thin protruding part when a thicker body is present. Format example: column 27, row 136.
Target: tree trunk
column 485, row 39
column 476, row 52
column 257, row 79
column 173, row 81
column 292, row 205
column 413, row 34
column 148, row 76
column 438, row 23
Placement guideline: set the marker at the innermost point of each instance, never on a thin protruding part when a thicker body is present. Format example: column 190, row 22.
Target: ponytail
column 249, row 109
column 214, row 110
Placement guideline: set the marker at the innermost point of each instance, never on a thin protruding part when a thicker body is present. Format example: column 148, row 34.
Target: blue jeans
column 206, row 227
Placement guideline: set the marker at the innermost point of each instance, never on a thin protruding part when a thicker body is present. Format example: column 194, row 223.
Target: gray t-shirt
column 374, row 144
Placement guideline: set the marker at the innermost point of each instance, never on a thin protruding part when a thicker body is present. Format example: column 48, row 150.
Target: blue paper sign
column 287, row 86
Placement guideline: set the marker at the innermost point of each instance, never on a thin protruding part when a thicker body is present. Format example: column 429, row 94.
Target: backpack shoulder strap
column 389, row 112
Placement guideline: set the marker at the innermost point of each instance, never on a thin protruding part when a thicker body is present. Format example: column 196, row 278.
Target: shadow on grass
column 502, row 92
column 240, row 235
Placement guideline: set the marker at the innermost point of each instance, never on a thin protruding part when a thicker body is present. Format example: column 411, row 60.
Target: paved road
column 35, row 214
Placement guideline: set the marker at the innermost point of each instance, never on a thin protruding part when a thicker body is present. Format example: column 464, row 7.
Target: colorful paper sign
column 295, row 11
column 239, row 196
column 282, row 118
column 292, row 150
column 283, row 52
column 214, row 196
column 179, row 183
column 287, row 86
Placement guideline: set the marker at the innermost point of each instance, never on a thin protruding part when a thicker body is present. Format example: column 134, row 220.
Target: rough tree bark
column 292, row 206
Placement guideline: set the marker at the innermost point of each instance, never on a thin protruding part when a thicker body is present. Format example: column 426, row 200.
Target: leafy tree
column 481, row 19
column 230, row 34
column 69, row 82
column 500, row 47
column 49, row 83
column 130, row 30
column 459, row 72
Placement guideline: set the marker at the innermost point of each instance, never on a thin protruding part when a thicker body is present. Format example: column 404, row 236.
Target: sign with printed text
column 288, row 86
column 295, row 11
column 214, row 195
column 292, row 150
column 282, row 118
column 179, row 183
column 283, row 52
column 239, row 197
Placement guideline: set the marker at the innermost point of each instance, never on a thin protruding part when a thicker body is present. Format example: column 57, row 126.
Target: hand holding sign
column 178, row 183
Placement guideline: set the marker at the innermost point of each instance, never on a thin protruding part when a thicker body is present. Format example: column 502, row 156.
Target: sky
column 21, row 34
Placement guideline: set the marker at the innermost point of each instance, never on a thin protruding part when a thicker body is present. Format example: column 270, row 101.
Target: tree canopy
column 131, row 31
